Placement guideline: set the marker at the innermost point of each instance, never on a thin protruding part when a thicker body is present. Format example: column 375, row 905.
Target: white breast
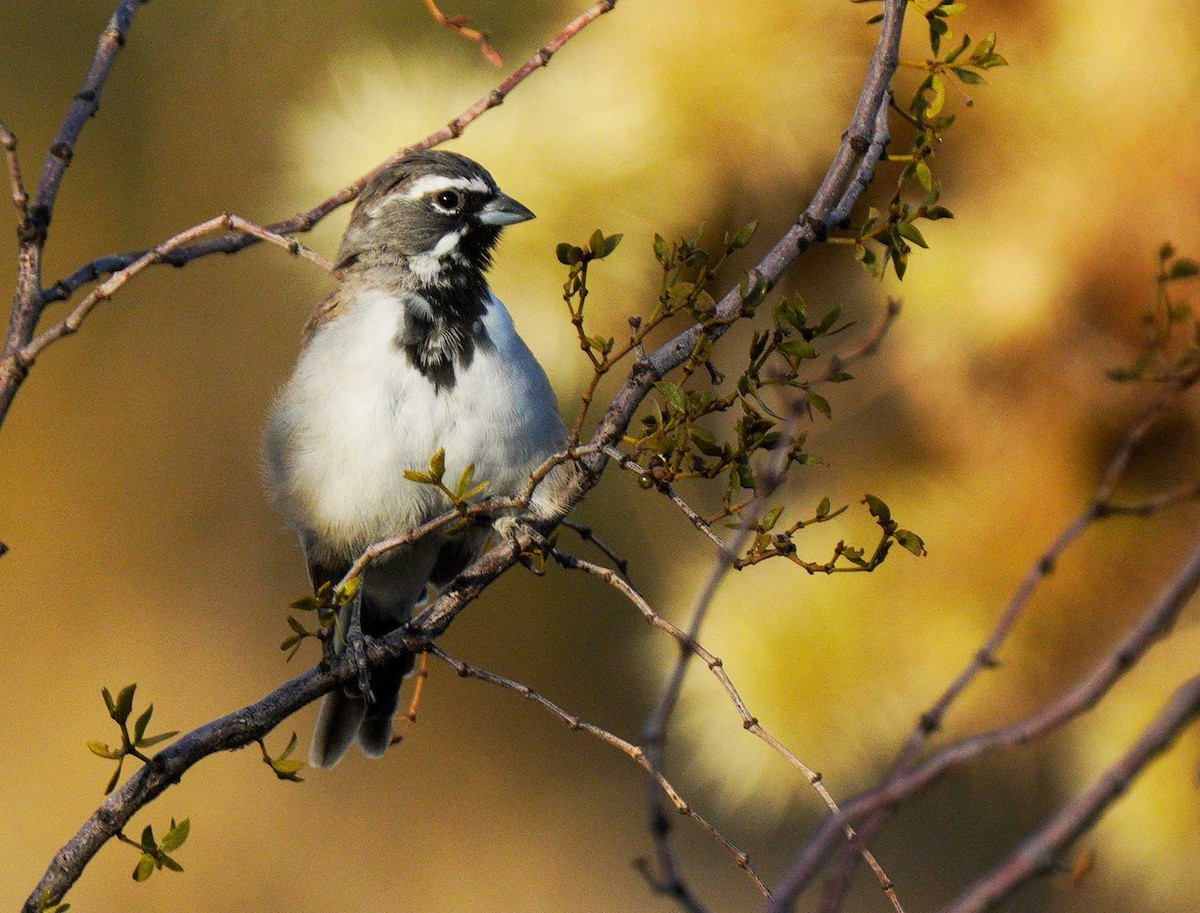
column 355, row 414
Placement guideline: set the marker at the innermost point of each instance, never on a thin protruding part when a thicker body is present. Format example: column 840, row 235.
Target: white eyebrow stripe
column 432, row 183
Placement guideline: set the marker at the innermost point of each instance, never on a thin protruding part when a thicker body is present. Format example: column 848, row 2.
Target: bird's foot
column 356, row 646
column 531, row 546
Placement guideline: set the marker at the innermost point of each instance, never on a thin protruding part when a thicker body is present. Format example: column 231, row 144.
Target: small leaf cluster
column 1170, row 351
column 285, row 767
column 575, row 289
column 155, row 854
column 326, row 603
column 770, row 543
column 895, row 230
column 120, row 709
column 677, row 442
column 464, row 489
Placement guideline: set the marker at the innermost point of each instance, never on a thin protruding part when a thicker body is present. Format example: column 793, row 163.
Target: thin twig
column 306, row 220
column 410, row 719
column 1039, row 853
column 1099, row 506
column 459, row 24
column 587, row 534
column 1153, row 625
column 628, row 748
column 20, row 198
column 26, row 356
column 749, row 722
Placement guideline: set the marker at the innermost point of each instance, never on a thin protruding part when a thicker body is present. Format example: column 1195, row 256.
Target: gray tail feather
column 341, row 716
column 347, row 716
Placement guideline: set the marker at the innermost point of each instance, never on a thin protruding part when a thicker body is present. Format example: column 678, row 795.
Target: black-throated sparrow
column 411, row 353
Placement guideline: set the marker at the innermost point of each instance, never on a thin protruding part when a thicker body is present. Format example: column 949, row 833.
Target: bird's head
column 433, row 214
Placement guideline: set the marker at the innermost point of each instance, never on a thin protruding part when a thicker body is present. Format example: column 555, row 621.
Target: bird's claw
column 356, row 646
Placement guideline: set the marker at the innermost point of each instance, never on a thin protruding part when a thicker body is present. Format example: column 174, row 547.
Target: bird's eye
column 448, row 200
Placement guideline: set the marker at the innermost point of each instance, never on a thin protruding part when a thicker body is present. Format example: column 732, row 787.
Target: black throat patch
column 442, row 326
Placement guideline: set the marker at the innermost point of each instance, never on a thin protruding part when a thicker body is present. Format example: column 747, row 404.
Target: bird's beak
column 504, row 210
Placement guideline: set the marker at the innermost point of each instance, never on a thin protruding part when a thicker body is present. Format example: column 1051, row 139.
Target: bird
column 410, row 354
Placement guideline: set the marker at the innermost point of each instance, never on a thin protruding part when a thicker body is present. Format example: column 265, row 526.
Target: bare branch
column 85, row 104
column 28, row 300
column 305, row 221
column 1099, row 507
column 588, row 535
column 459, row 24
column 20, row 198
column 749, row 722
column 1037, row 854
column 1154, row 624
column 26, row 355
column 628, row 748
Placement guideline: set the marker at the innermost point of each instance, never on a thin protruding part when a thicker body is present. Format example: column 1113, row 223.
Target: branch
column 1100, row 506
column 1038, row 853
column 459, row 24
column 628, row 748
column 1152, row 626
column 26, row 355
column 20, row 198
column 749, row 722
column 305, row 221
column 28, row 300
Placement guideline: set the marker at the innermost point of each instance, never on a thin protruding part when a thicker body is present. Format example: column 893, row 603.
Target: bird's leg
column 356, row 646
column 513, row 529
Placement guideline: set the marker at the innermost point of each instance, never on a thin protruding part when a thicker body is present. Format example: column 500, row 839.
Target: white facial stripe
column 428, row 267
column 432, row 183
column 427, row 186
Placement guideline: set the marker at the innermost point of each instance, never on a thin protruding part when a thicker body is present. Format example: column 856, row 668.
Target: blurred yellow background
column 144, row 549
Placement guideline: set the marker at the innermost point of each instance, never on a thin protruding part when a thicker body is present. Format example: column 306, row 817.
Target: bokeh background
column 144, row 549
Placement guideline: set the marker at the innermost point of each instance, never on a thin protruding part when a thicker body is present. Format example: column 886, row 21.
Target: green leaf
column 934, row 106
column 168, row 863
column 148, row 838
column 674, row 395
column 910, row 232
column 139, row 726
column 155, row 739
column 985, row 47
column 116, row 775
column 124, row 703
column 413, row 476
column 741, row 238
column 924, row 175
column 175, row 837
column 910, row 541
column 610, row 244
column 772, row 517
column 108, row 701
column 437, row 465
column 933, row 213
column 798, row 347
column 823, row 509
column 821, row 404
column 660, row 250
column 568, row 254
column 878, row 509
column 102, row 750
column 1184, row 268
column 970, row 77
column 145, row 868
